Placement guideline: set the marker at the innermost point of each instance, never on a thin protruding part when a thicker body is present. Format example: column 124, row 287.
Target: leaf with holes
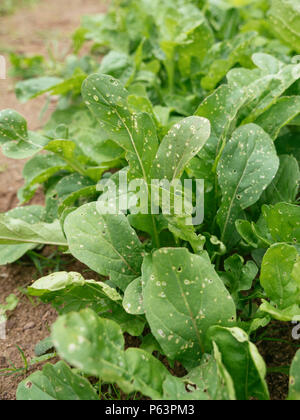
column 69, row 292
column 105, row 243
column 29, row 214
column 181, row 144
column 221, row 109
column 17, row 231
column 183, row 297
column 285, row 21
column 56, row 383
column 96, row 347
column 247, row 167
column 135, row 133
column 16, row 141
column 283, row 221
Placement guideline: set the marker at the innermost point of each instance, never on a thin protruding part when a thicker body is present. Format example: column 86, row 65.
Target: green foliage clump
column 186, row 90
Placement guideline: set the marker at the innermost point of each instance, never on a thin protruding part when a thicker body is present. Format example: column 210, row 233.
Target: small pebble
column 46, row 316
column 29, row 326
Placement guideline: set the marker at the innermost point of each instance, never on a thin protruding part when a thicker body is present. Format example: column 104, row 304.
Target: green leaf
column 186, row 232
column 196, row 43
column 85, row 131
column 135, row 133
column 29, row 214
column 204, row 383
column 16, row 141
column 223, row 373
column 63, row 148
column 70, row 190
column 11, row 302
column 133, row 298
column 221, row 109
column 37, row 171
column 81, row 195
column 263, row 86
column 280, row 276
column 279, row 115
column 56, row 383
column 248, row 374
column 69, row 292
column 96, row 346
column 248, row 165
column 141, row 104
column 285, row 22
column 144, row 223
column 181, row 144
column 17, row 231
column 239, row 276
column 105, row 243
column 70, row 85
column 256, row 235
column 294, row 391
column 288, row 144
column 32, row 88
column 55, row 282
column 285, row 186
column 43, row 347
column 12, row 253
column 118, row 65
column 222, row 57
column 150, row 345
column 288, row 314
column 183, row 297
column 283, row 221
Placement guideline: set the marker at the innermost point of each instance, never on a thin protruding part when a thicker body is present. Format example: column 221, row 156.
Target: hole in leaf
column 190, row 387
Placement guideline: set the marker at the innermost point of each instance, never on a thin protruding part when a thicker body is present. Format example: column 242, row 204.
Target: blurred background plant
column 8, row 7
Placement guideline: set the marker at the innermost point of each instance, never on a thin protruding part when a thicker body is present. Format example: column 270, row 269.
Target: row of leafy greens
column 214, row 88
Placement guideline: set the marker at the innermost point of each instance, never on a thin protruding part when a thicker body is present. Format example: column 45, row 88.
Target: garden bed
column 29, row 323
column 162, row 104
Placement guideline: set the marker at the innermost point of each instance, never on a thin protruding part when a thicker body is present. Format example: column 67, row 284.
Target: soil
column 27, row 32
column 278, row 349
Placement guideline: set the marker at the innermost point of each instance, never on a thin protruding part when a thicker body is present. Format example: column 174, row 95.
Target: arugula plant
column 160, row 108
column 159, row 55
column 189, row 303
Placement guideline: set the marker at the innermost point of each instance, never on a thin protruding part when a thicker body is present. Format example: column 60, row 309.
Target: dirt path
column 27, row 32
